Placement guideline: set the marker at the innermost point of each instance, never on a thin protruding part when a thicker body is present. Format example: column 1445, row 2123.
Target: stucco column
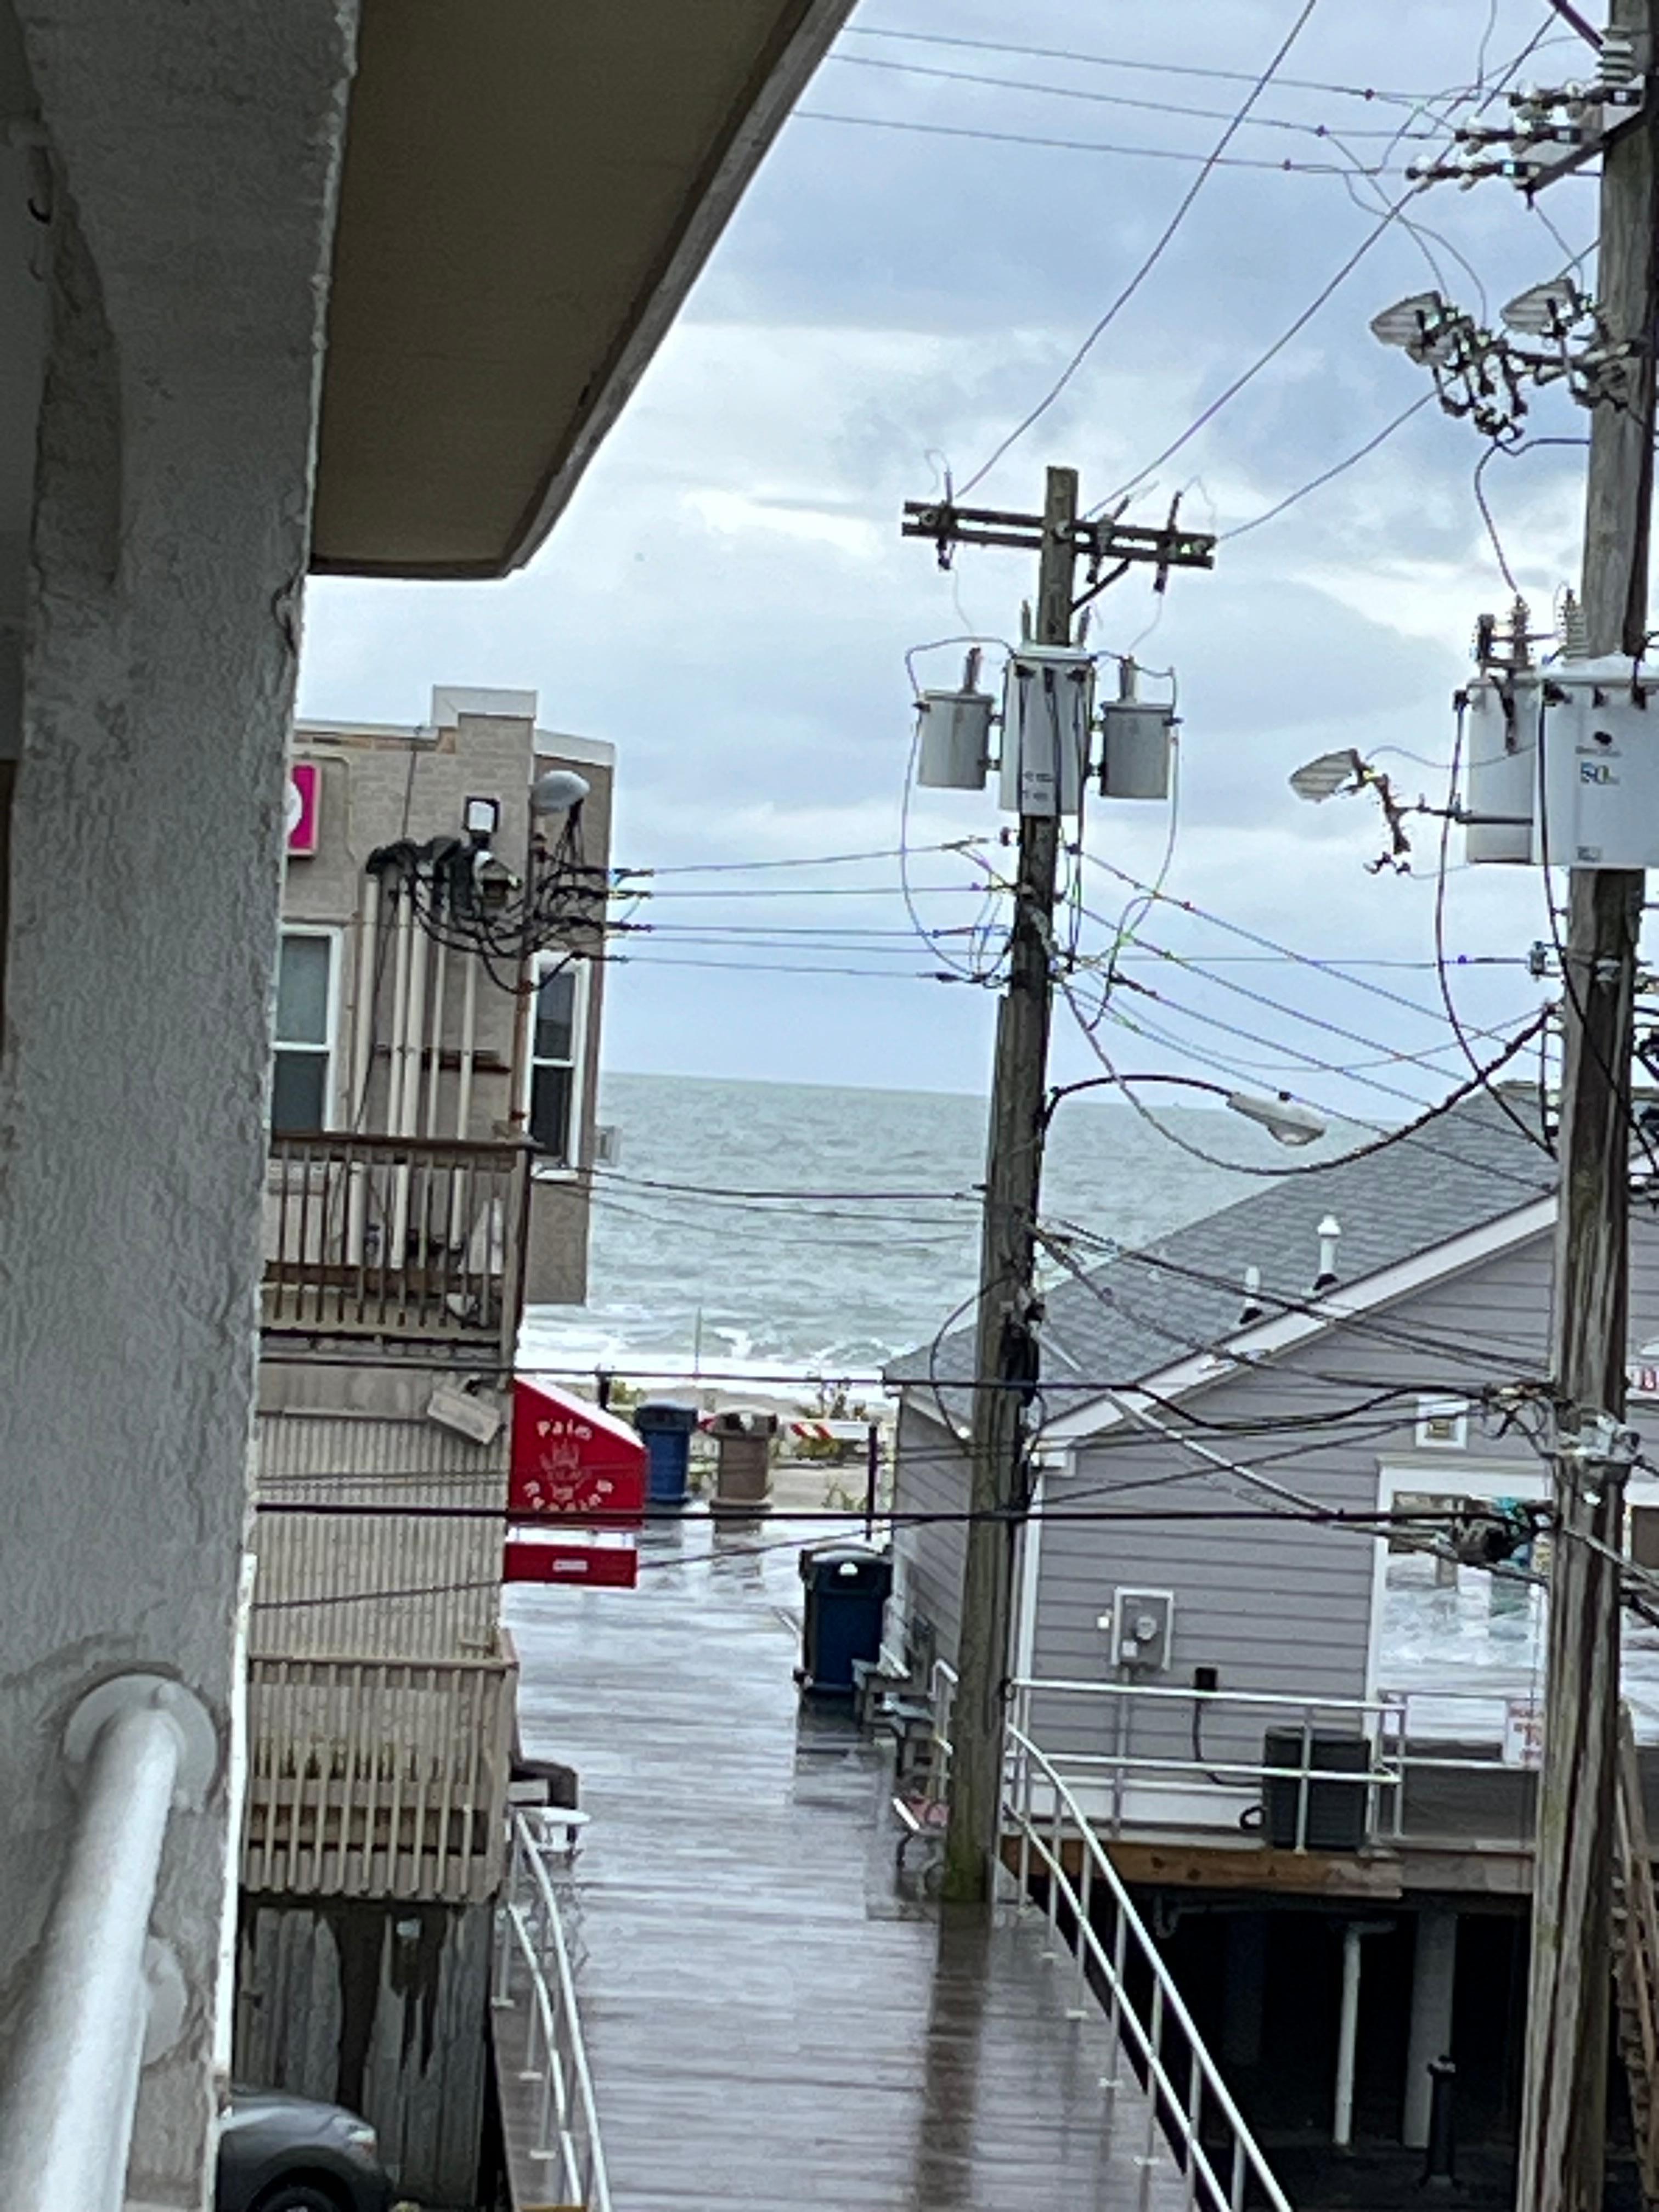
column 193, row 146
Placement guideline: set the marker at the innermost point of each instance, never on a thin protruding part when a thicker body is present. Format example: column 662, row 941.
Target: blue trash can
column 847, row 1588
column 664, row 1427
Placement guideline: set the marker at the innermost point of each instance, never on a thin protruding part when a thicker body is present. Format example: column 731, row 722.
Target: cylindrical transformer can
column 954, row 751
column 1500, row 756
column 1136, row 739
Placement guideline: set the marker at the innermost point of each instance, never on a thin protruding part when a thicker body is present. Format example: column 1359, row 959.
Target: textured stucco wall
column 195, row 144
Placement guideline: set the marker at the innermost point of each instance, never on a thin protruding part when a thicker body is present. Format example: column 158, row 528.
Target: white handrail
column 1181, row 2111
column 71, row 2092
column 567, row 2133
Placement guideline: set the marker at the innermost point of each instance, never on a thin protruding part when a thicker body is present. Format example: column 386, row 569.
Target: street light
column 558, row 791
column 1319, row 779
column 1545, row 311
column 1420, row 326
column 1286, row 1121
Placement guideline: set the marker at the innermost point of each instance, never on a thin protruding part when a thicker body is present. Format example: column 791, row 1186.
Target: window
column 301, row 1091
column 555, row 1058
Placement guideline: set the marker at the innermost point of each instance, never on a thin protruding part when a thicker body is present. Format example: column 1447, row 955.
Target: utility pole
column 1563, row 2119
column 1004, row 1358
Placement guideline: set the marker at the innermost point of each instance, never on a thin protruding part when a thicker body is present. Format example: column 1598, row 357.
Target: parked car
column 282, row 2153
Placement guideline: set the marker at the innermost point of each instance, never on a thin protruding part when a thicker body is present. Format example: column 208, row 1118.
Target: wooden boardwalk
column 769, row 2029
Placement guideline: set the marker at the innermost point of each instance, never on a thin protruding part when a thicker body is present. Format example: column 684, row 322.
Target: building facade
column 453, row 1052
column 433, row 1134
column 1224, row 1418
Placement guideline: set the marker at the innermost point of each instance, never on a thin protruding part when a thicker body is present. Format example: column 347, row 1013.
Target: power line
column 1368, row 94
column 1138, row 102
column 1165, row 237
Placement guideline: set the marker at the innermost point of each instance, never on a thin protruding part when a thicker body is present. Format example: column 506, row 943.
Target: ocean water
column 878, row 1241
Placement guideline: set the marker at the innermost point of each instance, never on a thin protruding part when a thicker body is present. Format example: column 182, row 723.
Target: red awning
column 572, row 1461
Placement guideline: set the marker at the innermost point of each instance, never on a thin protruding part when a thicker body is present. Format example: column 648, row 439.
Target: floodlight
column 1408, row 321
column 1544, row 311
column 1319, row 779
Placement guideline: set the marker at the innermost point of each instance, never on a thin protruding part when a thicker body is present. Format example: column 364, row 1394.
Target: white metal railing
column 1124, row 1788
column 1186, row 2096
column 95, row 2013
column 533, row 1967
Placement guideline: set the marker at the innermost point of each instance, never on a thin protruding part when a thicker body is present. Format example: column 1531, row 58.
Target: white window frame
column 554, row 1170
column 1486, row 1478
column 328, row 1050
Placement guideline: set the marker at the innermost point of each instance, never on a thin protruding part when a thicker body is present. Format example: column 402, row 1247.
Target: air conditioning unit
column 607, row 1145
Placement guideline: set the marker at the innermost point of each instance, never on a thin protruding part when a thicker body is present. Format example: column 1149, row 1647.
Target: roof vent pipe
column 1329, row 1230
column 1252, row 1309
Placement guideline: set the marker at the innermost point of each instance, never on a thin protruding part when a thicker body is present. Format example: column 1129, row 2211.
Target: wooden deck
column 768, row 2028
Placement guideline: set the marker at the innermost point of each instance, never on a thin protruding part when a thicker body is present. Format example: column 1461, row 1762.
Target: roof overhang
column 1268, row 1340
column 529, row 190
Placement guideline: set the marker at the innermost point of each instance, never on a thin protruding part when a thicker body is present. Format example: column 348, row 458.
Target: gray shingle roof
column 1144, row 1309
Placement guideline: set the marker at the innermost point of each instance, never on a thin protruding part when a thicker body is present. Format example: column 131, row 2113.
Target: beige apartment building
column 438, row 1005
column 449, row 1054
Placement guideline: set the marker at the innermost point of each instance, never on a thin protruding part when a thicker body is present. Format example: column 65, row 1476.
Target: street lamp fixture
column 1317, row 780
column 1418, row 326
column 1286, row 1121
column 1549, row 310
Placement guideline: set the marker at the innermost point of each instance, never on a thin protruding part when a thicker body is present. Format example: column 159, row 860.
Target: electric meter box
column 1500, row 769
column 953, row 749
column 1143, row 1629
column 1047, row 716
column 1599, row 767
column 1136, row 739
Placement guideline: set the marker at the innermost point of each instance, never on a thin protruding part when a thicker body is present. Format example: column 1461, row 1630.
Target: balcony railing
column 378, row 1777
column 403, row 1239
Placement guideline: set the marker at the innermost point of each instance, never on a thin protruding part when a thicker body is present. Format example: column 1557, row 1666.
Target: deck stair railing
column 1636, row 1961
column 1058, row 1854
column 532, row 1972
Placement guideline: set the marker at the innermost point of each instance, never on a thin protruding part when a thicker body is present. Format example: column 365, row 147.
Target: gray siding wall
column 1280, row 1606
column 930, row 1476
column 1274, row 1606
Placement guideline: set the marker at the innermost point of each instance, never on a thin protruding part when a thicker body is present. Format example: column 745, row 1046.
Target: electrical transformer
column 953, row 751
column 1048, row 715
column 1598, row 777
column 1135, row 742
column 1500, row 756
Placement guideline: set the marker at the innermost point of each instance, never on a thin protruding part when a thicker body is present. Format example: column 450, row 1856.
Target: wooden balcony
column 378, row 1777
column 397, row 1239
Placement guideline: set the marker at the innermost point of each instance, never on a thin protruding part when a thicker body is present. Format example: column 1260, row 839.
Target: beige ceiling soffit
column 802, row 32
column 801, row 43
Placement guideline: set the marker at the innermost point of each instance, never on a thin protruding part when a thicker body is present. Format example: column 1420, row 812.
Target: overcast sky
column 729, row 600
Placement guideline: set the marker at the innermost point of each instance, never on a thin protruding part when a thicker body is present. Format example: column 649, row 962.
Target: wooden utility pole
column 1005, row 1353
column 1004, row 1348
column 1563, row 2120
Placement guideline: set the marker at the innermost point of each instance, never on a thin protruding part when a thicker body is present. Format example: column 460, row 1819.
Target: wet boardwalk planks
column 768, row 2027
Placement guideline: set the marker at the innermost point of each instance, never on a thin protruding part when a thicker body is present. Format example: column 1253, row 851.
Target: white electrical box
column 1047, row 716
column 1143, row 1629
column 1500, row 756
column 1599, row 767
column 1136, row 739
column 953, row 751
